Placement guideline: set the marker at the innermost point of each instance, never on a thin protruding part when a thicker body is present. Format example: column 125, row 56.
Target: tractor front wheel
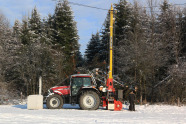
column 54, row 101
column 89, row 101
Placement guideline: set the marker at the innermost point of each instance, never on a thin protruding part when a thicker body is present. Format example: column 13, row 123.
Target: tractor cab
column 80, row 81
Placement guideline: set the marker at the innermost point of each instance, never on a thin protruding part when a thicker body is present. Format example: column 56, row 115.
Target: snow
column 151, row 114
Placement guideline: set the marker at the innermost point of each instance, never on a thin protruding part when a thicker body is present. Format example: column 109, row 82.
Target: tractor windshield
column 82, row 81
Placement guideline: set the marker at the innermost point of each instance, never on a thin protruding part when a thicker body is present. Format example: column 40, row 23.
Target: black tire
column 54, row 101
column 89, row 101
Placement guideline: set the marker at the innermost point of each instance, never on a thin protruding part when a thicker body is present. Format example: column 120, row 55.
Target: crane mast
column 110, row 77
column 112, row 103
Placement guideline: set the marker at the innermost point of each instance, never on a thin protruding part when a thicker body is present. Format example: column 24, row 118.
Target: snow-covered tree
column 169, row 29
column 65, row 34
column 122, row 16
column 122, row 22
column 93, row 48
column 9, row 57
column 183, row 32
column 35, row 21
column 104, row 41
column 16, row 29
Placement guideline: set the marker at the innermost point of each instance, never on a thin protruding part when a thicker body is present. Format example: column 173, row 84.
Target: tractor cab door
column 76, row 84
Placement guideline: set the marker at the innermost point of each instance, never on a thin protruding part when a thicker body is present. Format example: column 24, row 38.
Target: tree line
column 149, row 49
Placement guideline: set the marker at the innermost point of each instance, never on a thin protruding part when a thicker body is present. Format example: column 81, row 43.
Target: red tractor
column 80, row 89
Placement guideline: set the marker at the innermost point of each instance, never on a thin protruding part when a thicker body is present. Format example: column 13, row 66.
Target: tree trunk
column 141, row 99
column 179, row 102
column 141, row 93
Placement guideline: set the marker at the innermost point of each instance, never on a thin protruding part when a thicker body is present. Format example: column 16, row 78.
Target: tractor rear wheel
column 89, row 101
column 54, row 101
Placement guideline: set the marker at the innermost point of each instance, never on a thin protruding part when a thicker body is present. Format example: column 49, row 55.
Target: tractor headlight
column 51, row 91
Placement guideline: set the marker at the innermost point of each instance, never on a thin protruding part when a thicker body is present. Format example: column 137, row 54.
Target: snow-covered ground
column 152, row 114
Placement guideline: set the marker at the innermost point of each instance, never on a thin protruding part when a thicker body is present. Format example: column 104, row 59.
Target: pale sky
column 88, row 20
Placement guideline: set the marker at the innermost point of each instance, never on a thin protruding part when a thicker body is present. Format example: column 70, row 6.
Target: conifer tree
column 9, row 45
column 170, row 32
column 35, row 22
column 25, row 35
column 123, row 14
column 65, row 34
column 183, row 34
column 16, row 29
column 104, row 43
column 93, row 48
column 47, row 29
column 79, row 59
column 165, row 29
column 122, row 22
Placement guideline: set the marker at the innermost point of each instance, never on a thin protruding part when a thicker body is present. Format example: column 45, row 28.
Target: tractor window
column 86, row 81
column 76, row 85
column 77, row 82
column 81, row 82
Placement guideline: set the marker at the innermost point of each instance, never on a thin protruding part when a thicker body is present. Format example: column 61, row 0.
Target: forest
column 149, row 50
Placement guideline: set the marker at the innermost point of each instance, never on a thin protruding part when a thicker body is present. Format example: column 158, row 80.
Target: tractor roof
column 81, row 75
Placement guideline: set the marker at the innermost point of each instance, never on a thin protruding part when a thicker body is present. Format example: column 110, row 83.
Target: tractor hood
column 59, row 87
column 61, row 90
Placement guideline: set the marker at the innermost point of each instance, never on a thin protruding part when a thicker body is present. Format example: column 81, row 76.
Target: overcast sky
column 88, row 20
